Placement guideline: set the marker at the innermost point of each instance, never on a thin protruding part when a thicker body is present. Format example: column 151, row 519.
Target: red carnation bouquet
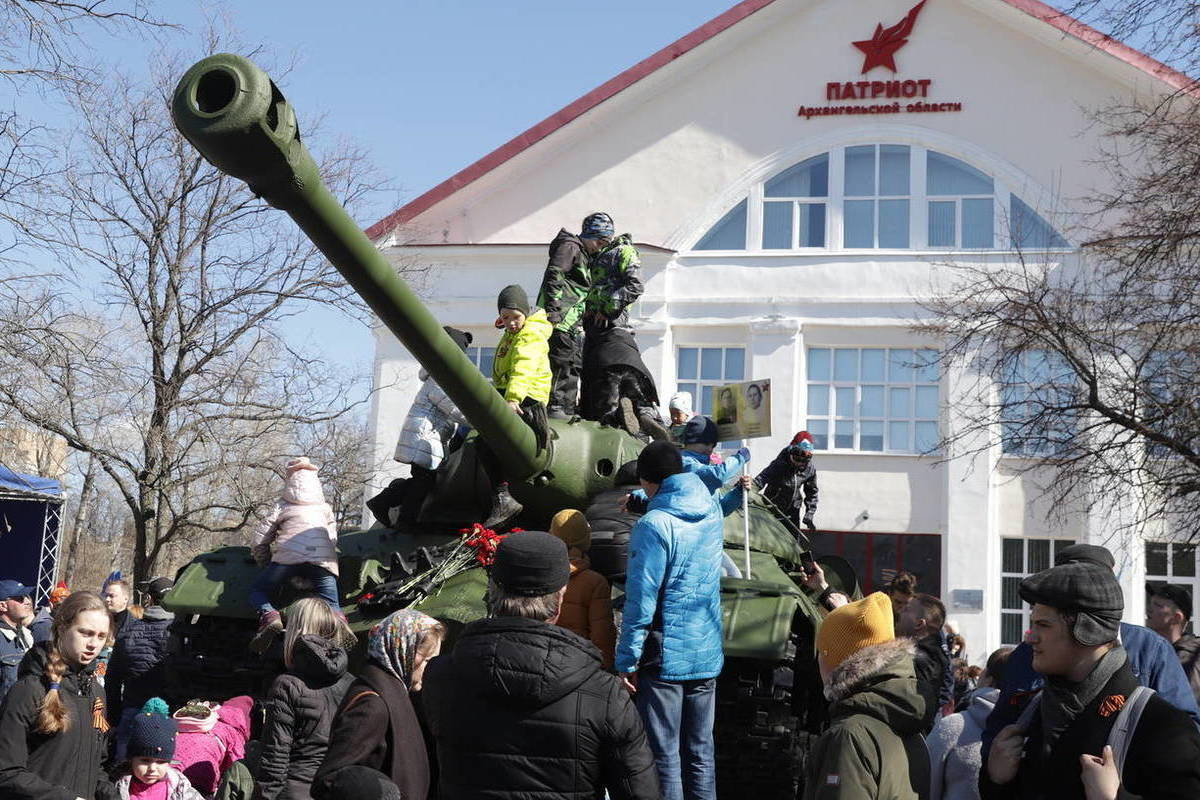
column 484, row 541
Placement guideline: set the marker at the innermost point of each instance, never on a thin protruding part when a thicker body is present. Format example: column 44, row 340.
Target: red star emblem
column 880, row 49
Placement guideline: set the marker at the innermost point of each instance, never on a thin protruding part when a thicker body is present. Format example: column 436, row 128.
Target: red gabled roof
column 1034, row 8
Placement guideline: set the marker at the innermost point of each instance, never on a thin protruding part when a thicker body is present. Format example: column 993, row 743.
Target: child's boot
column 269, row 624
column 504, row 507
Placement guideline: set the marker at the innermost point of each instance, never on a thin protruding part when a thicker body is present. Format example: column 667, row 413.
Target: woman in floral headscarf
column 376, row 725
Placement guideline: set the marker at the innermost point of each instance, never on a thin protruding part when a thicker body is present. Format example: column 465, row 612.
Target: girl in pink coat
column 211, row 737
column 299, row 537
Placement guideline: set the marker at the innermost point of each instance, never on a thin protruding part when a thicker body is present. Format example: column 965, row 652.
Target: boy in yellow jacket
column 520, row 372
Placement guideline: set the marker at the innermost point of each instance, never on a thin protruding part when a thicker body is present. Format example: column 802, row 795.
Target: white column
column 970, row 535
column 773, row 351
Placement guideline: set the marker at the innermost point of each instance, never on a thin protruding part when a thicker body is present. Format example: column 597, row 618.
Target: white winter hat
column 299, row 463
column 682, row 401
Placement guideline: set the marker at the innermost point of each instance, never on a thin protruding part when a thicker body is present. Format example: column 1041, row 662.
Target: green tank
column 238, row 119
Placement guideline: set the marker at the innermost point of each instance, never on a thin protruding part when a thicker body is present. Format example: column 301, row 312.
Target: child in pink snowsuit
column 299, row 537
column 206, row 746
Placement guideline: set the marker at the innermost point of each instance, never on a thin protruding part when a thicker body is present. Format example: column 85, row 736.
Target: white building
column 793, row 194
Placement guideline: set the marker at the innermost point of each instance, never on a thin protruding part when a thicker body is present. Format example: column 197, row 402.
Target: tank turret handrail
column 237, row 118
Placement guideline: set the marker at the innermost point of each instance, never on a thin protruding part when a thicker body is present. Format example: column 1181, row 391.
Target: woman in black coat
column 301, row 702
column 53, row 731
column 377, row 726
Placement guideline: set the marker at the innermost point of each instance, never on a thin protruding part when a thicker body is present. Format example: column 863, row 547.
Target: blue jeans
column 324, row 582
column 678, row 716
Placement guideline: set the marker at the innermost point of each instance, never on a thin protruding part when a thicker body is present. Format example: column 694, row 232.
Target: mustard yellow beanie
column 573, row 528
column 856, row 625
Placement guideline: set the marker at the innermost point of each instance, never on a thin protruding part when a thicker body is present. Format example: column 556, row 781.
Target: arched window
column 881, row 197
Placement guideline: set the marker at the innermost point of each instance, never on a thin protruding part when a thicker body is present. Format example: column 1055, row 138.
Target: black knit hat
column 355, row 782
column 700, row 430
column 659, row 461
column 1085, row 589
column 152, row 733
column 461, row 338
column 1089, row 553
column 531, row 564
column 513, row 296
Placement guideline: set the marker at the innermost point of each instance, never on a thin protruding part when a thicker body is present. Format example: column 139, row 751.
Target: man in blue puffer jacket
column 670, row 648
column 1152, row 659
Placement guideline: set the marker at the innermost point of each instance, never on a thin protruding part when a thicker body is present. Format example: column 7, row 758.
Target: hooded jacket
column 137, row 668
column 673, row 584
column 205, row 750
column 301, row 526
column 873, row 749
column 587, row 606
column 178, row 787
column 794, row 491
column 565, row 285
column 428, row 427
column 1162, row 761
column 61, row 766
column 521, row 367
column 300, row 708
column 521, row 709
column 954, row 749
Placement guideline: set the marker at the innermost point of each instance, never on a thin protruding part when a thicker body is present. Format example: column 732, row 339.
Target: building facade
column 798, row 174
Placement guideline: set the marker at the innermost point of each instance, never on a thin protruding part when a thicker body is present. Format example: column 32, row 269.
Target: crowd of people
column 553, row 694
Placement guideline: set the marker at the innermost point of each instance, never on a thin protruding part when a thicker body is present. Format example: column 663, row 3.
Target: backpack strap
column 1127, row 721
column 354, row 700
column 1029, row 711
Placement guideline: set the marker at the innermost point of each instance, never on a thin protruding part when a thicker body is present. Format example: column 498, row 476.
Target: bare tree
column 1167, row 29
column 156, row 349
column 1088, row 363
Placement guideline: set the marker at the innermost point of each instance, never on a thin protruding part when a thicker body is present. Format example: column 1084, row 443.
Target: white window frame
column 918, row 203
column 831, row 418
column 1056, row 544
column 1191, row 582
column 875, row 198
column 700, row 383
column 475, row 353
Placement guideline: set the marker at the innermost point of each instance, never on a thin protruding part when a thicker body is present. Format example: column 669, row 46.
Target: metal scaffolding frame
column 47, row 573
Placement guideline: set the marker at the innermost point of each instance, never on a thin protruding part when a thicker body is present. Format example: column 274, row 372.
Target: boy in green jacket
column 521, row 372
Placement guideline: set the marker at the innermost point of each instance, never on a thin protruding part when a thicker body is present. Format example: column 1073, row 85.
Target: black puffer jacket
column 300, row 709
column 521, row 709
column 137, row 669
column 62, row 766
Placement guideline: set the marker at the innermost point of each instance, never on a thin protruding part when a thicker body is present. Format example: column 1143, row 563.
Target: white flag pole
column 746, row 518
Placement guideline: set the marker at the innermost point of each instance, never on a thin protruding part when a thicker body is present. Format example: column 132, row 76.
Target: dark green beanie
column 513, row 297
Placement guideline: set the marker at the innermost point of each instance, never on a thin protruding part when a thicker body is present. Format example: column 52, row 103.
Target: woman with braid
column 53, row 733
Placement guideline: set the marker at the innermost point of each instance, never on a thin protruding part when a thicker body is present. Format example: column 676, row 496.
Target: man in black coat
column 1067, row 743
column 523, row 708
column 137, row 668
column 921, row 620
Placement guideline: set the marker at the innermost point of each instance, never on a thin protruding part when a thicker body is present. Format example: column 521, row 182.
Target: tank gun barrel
column 235, row 115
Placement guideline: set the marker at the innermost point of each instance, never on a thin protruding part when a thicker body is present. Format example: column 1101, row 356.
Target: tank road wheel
column 760, row 746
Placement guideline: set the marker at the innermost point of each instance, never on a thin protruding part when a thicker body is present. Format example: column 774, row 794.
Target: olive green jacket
column 873, row 749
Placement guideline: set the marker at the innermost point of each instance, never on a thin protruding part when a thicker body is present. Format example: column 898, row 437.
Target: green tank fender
column 767, row 533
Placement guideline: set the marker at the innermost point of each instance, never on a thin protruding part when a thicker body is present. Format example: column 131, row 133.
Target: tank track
column 761, row 746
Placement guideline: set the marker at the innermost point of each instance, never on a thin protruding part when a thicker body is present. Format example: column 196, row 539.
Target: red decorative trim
column 1034, row 8
column 1086, row 33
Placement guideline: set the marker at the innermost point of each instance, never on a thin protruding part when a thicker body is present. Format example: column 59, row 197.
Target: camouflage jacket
column 565, row 285
column 616, row 281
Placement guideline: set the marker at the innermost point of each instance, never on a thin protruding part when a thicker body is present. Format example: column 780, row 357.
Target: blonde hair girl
column 53, row 729
column 312, row 616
